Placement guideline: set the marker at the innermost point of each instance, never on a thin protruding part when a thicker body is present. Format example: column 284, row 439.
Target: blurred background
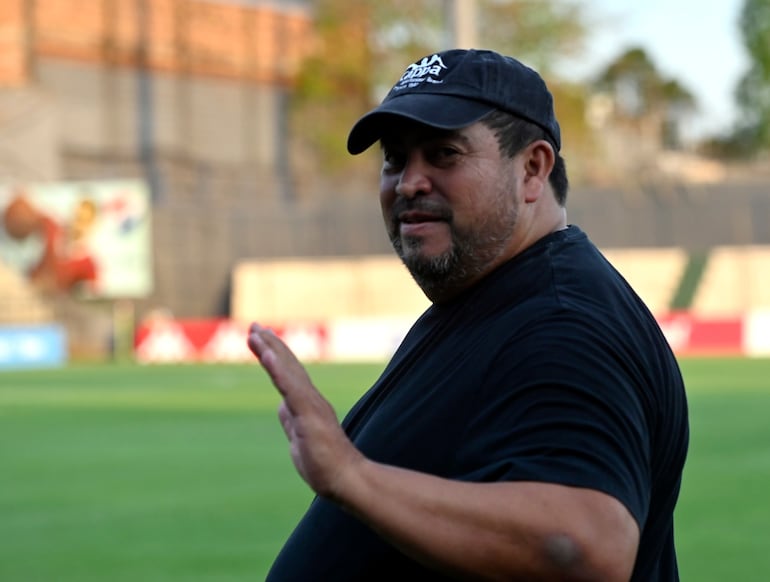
column 173, row 169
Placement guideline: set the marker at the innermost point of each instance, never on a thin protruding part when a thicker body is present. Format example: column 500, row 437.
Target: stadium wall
column 375, row 339
column 337, row 309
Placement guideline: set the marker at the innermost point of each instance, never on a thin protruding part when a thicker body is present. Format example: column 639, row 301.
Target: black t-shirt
column 551, row 369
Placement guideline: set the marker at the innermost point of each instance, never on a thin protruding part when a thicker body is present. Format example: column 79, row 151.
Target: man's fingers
column 258, row 344
column 257, row 340
column 285, row 370
column 285, row 416
column 263, row 340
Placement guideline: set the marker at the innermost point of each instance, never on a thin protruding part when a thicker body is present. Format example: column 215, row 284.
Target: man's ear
column 539, row 159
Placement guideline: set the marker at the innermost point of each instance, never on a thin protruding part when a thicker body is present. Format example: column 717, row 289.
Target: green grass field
column 127, row 473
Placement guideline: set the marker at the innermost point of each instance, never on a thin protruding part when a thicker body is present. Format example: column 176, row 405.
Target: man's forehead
column 403, row 130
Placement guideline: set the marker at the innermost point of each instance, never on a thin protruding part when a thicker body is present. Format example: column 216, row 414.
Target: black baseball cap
column 455, row 88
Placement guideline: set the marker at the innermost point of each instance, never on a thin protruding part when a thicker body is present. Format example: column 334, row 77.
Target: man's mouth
column 418, row 217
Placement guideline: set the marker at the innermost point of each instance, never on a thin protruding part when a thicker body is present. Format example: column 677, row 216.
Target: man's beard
column 469, row 255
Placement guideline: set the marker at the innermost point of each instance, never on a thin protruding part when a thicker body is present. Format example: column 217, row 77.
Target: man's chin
column 433, row 265
column 427, row 250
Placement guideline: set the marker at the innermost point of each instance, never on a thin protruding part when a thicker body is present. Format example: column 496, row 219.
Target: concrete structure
column 189, row 95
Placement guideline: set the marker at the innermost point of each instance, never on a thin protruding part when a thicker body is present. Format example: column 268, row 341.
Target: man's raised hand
column 320, row 449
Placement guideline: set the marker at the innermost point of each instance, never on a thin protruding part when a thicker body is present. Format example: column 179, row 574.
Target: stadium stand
column 322, row 288
column 736, row 280
column 654, row 273
column 18, row 302
column 380, row 285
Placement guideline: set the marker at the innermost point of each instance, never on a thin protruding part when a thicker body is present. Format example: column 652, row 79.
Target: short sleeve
column 562, row 405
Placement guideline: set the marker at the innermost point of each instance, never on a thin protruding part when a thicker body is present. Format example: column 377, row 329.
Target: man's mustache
column 433, row 208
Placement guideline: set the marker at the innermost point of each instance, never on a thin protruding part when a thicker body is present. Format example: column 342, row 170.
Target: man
column 533, row 423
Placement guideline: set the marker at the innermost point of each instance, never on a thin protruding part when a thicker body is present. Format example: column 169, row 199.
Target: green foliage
column 538, row 33
column 753, row 91
column 579, row 144
column 335, row 80
column 363, row 47
column 641, row 93
column 738, row 145
column 638, row 86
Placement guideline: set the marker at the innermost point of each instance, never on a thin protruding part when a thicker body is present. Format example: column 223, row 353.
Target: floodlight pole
column 460, row 23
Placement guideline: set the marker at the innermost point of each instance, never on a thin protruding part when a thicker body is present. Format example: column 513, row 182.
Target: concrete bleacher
column 19, row 303
column 736, row 280
column 654, row 273
column 321, row 288
column 381, row 286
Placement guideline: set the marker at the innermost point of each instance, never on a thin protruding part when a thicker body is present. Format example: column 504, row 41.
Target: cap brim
column 440, row 111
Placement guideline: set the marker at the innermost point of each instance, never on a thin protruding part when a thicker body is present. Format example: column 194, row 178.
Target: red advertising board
column 690, row 334
column 224, row 340
column 219, row 340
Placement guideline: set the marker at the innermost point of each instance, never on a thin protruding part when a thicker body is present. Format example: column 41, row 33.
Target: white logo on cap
column 428, row 70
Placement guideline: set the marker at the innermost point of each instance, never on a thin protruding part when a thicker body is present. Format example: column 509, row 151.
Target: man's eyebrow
column 422, row 137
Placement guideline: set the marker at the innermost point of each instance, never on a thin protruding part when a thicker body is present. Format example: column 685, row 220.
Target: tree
column 539, row 33
column 679, row 103
column 643, row 98
column 336, row 80
column 753, row 91
column 362, row 47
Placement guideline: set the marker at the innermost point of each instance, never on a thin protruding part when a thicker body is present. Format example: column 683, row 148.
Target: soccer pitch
column 182, row 472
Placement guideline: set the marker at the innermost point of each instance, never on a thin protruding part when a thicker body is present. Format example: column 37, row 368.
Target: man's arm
column 504, row 530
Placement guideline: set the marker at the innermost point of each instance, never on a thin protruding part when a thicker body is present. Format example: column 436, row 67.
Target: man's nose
column 415, row 179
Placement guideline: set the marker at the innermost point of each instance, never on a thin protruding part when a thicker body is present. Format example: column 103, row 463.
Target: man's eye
column 444, row 154
column 392, row 157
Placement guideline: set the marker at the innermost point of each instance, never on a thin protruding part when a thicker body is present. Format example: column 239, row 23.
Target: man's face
column 449, row 204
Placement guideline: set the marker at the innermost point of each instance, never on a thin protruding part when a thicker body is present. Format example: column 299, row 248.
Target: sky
column 696, row 42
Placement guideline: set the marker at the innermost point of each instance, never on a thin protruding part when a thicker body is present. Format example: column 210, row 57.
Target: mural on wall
column 88, row 238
